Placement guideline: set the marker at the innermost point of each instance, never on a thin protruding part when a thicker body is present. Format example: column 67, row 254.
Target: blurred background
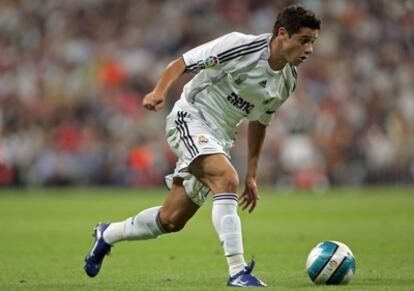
column 73, row 74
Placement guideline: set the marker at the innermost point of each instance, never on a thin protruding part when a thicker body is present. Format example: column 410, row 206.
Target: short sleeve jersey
column 235, row 82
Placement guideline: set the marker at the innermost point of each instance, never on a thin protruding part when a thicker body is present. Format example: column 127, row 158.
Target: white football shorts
column 190, row 136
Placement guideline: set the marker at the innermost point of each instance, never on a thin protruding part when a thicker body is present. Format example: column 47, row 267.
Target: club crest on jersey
column 240, row 79
column 211, row 61
column 202, row 139
column 238, row 102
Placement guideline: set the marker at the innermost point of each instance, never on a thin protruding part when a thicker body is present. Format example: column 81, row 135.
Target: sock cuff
column 158, row 221
column 226, row 196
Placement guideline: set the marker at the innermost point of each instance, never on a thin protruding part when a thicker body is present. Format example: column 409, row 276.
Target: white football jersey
column 234, row 82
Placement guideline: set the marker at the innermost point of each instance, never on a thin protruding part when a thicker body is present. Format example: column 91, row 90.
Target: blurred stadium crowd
column 73, row 74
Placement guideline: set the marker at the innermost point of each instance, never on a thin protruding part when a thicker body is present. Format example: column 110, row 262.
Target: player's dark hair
column 294, row 17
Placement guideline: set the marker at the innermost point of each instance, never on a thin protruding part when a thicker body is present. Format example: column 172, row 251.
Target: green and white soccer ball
column 330, row 262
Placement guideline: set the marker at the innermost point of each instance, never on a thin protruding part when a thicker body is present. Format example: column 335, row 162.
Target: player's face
column 299, row 46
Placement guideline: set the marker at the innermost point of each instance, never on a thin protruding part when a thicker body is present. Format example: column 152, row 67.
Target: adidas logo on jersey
column 263, row 83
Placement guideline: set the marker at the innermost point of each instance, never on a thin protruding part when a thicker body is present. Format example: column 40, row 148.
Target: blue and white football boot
column 93, row 261
column 245, row 278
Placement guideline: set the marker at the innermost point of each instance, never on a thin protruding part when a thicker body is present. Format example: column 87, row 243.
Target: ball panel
column 337, row 275
column 344, row 272
column 344, row 247
column 330, row 267
column 319, row 258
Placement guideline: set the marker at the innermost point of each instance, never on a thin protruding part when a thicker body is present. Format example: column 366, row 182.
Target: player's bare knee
column 171, row 223
column 227, row 182
column 170, row 226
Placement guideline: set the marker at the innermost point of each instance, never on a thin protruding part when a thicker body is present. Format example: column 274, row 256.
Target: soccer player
column 237, row 77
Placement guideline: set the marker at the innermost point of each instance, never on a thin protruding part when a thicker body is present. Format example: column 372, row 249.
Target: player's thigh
column 177, row 208
column 216, row 172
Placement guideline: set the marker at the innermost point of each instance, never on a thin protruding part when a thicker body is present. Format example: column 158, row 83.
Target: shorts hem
column 203, row 154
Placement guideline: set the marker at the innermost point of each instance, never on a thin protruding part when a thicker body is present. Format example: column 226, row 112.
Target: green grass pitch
column 45, row 234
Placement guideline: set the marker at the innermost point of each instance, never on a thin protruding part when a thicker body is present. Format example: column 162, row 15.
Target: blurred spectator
column 73, row 74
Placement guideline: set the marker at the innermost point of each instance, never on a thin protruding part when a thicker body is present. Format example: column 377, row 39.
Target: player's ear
column 282, row 32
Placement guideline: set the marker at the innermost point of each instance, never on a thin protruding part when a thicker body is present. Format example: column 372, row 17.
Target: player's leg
column 216, row 172
column 219, row 175
column 177, row 209
column 147, row 224
column 152, row 222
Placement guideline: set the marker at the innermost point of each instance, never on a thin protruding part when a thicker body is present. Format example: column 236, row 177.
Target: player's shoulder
column 241, row 38
column 245, row 48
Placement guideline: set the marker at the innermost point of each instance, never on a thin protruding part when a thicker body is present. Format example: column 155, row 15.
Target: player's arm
column 156, row 99
column 256, row 133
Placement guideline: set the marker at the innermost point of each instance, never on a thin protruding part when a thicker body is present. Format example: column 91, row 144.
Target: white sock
column 114, row 233
column 236, row 264
column 145, row 225
column 228, row 227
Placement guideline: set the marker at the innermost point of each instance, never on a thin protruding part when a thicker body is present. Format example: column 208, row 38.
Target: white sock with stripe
column 228, row 227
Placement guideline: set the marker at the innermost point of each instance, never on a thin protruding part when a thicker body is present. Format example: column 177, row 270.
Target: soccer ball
column 330, row 262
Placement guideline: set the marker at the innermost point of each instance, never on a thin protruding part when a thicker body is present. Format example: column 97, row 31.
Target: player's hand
column 153, row 101
column 250, row 195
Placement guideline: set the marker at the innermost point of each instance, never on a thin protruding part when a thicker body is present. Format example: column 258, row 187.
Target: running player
column 238, row 77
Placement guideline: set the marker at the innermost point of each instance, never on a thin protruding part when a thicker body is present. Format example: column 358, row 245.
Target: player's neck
column 276, row 60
